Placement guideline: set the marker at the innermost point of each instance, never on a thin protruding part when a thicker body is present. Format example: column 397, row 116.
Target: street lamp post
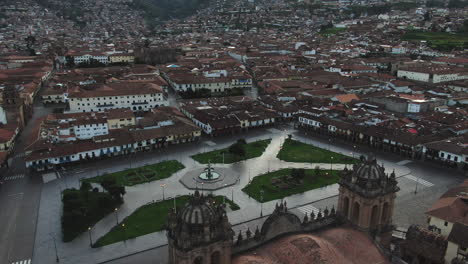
column 416, row 187
column 130, row 158
column 232, row 194
column 331, row 164
column 116, row 215
column 163, row 186
column 55, row 246
column 223, row 157
column 90, row 238
column 202, row 188
column 224, row 196
column 125, row 235
column 261, row 202
column 175, row 207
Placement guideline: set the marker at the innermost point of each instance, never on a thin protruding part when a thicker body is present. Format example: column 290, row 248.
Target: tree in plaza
column 237, row 149
column 85, row 188
column 74, row 213
column 317, row 171
column 298, row 174
column 71, row 201
column 105, row 201
column 115, row 190
column 241, row 141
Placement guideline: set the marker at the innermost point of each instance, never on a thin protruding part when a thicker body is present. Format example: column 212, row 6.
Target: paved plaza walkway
column 79, row 251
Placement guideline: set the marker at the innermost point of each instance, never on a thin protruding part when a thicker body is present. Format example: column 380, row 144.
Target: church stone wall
column 282, row 223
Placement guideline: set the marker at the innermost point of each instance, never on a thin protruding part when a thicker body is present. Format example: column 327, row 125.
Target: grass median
column 274, row 188
column 295, row 151
column 148, row 219
column 252, row 150
column 143, row 174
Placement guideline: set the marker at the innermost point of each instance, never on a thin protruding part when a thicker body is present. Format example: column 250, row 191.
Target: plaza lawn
column 443, row 41
column 272, row 192
column 295, row 151
column 143, row 174
column 252, row 150
column 82, row 209
column 148, row 219
column 332, row 31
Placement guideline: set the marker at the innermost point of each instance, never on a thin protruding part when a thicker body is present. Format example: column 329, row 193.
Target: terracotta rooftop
column 346, row 98
column 453, row 205
column 336, row 245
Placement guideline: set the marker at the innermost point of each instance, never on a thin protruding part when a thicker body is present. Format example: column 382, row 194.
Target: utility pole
column 90, row 238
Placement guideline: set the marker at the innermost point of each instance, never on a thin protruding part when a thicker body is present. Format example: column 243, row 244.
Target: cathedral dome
column 199, row 211
column 369, row 179
column 370, row 170
column 200, row 222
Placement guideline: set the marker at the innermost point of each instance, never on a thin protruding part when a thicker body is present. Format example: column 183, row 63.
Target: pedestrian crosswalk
column 404, row 162
column 419, row 180
column 210, row 143
column 14, row 177
column 26, row 261
column 307, row 209
column 274, row 130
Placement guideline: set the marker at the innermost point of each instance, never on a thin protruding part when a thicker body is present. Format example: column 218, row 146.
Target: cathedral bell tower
column 11, row 106
column 200, row 233
column 367, row 197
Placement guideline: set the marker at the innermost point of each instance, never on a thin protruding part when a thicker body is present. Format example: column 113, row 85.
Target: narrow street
column 20, row 197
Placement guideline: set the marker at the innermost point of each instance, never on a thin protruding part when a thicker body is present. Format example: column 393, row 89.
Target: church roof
column 335, row 245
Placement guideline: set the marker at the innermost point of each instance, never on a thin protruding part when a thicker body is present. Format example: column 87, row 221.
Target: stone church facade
column 200, row 233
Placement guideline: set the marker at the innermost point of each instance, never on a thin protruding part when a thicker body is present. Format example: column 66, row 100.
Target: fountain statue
column 209, row 173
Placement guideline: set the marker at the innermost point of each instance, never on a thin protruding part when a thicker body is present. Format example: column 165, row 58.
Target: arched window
column 198, row 260
column 384, row 213
column 356, row 213
column 346, row 207
column 374, row 221
column 216, row 258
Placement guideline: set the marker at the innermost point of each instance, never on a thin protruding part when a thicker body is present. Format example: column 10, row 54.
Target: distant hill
column 158, row 11
column 155, row 11
column 166, row 9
